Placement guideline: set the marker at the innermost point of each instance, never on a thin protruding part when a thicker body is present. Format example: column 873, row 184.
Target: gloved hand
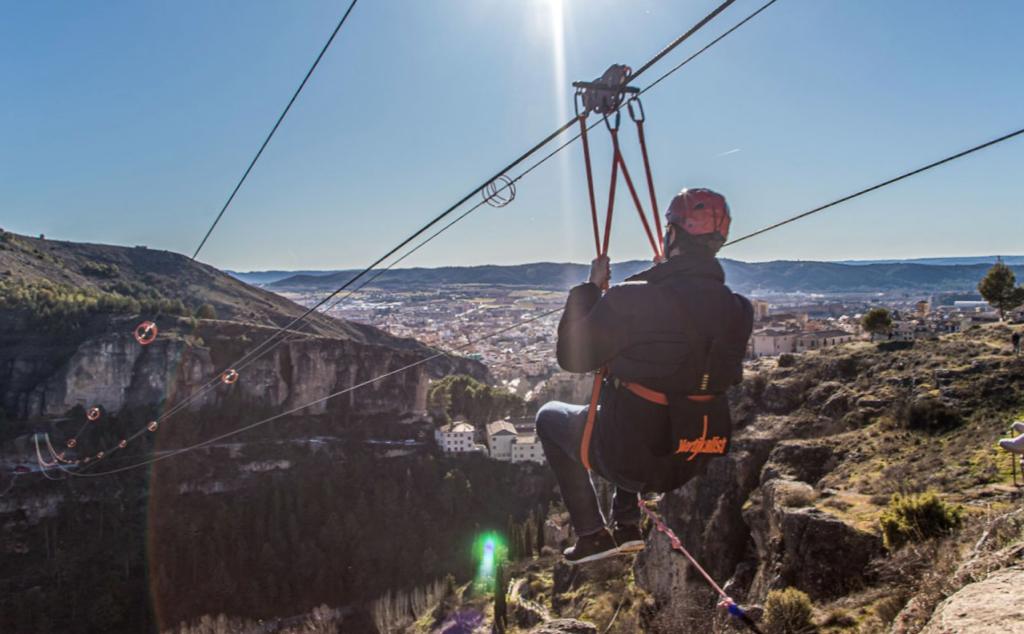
column 600, row 272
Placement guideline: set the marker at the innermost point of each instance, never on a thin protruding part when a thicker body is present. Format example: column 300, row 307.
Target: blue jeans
column 560, row 429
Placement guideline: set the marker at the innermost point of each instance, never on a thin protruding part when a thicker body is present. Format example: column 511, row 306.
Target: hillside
column 831, row 443
column 745, row 277
column 68, row 311
column 163, row 281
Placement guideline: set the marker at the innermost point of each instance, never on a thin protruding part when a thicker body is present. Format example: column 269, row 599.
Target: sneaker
column 600, row 545
column 1016, row 445
column 1018, row 427
column 628, row 538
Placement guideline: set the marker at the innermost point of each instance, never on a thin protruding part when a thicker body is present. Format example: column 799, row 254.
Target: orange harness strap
column 588, row 429
column 646, row 393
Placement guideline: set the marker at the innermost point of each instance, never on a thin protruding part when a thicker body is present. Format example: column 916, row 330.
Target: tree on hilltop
column 999, row 288
column 877, row 321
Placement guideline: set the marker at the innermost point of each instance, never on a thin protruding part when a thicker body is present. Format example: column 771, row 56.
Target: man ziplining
column 671, row 339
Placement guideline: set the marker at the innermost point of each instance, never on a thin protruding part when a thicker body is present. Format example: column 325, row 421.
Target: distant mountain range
column 930, row 275
column 1012, row 260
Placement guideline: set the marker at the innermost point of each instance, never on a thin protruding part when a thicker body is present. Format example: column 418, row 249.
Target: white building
column 816, row 340
column 455, row 437
column 501, row 435
column 768, row 343
column 527, row 448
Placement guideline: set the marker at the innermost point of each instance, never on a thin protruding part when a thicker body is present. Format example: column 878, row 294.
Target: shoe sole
column 595, row 557
column 631, row 547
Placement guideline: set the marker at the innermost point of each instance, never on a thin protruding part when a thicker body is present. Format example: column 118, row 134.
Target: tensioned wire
column 277, row 124
column 777, row 225
column 274, row 338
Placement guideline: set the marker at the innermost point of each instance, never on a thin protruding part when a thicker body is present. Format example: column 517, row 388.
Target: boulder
column 990, row 606
column 804, row 460
column 556, row 534
column 783, row 395
column 806, row 547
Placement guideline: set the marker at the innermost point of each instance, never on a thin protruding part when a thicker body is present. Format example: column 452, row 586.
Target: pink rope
column 678, row 545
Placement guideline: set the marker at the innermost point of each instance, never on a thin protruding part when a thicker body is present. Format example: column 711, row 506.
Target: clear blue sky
column 129, row 122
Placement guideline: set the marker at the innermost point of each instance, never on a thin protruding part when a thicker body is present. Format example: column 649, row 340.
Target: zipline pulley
column 604, row 95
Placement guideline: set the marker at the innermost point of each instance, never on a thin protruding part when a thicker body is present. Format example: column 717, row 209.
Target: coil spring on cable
column 500, row 191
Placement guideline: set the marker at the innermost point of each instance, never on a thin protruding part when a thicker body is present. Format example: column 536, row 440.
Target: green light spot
column 489, row 550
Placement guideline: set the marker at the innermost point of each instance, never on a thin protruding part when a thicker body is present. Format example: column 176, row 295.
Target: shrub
column 930, row 414
column 786, row 360
column 915, row 518
column 788, row 612
column 206, row 311
column 98, row 269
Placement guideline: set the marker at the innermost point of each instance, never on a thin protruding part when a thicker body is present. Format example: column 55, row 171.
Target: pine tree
column 876, row 321
column 999, row 288
column 540, row 518
column 500, row 607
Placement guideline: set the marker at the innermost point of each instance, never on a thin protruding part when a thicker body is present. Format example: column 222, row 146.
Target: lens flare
column 489, row 551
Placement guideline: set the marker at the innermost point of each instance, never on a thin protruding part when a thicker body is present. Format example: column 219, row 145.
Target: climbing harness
column 734, row 610
column 606, row 96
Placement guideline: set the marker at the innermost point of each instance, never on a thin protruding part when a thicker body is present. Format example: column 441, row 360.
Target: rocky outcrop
column 803, row 460
column 707, row 516
column 806, row 547
column 990, row 606
column 114, row 372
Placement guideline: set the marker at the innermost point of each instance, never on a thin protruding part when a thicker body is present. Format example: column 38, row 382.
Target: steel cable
column 263, row 347
column 277, row 124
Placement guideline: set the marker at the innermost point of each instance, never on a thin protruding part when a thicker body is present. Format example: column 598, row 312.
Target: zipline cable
column 317, row 401
column 277, row 124
column 552, row 154
column 838, row 201
column 261, row 348
column 953, row 157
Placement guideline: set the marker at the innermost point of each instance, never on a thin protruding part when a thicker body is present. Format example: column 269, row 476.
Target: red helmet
column 700, row 212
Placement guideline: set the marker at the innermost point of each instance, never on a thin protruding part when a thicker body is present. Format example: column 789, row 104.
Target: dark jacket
column 664, row 328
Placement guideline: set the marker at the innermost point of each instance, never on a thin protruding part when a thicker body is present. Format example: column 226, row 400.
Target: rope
column 677, row 545
column 259, row 152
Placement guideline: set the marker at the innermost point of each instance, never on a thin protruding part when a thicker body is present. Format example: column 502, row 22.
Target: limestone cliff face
column 112, row 371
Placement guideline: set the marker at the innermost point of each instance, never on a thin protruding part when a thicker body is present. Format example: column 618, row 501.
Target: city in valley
column 454, row 317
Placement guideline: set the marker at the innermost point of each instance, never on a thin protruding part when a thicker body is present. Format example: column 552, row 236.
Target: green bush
column 788, row 611
column 206, row 311
column 57, row 305
column 98, row 269
column 915, row 518
column 460, row 395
